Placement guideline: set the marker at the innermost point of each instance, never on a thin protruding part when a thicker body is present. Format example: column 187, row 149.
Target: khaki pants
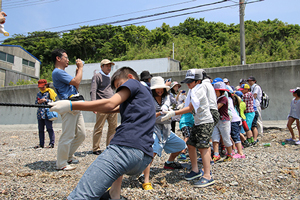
column 259, row 121
column 112, row 120
column 73, row 134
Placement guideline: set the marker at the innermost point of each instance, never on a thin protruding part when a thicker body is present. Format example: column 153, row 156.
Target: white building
column 157, row 65
column 17, row 63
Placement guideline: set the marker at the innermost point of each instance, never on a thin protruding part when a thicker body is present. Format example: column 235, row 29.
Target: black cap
column 251, row 78
column 145, row 75
column 243, row 81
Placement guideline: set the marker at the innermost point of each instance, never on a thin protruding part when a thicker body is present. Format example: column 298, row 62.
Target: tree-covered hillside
column 198, row 44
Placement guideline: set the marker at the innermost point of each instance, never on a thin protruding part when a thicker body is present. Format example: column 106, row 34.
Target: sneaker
column 192, row 175
column 73, row 161
column 290, row 140
column 181, row 157
column 245, row 144
column 141, row 178
column 216, row 158
column 228, row 158
column 172, row 165
column 147, row 186
column 67, row 168
column 223, row 151
column 38, row 146
column 239, row 156
column 211, row 162
column 203, row 182
column 298, row 142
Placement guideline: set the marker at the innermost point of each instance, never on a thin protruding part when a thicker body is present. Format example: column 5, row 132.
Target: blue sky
column 38, row 15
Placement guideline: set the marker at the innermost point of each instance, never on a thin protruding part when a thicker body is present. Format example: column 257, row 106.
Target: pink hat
column 220, row 86
column 294, row 90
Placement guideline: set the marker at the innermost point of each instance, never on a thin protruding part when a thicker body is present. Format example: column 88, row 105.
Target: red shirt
column 248, row 99
column 224, row 109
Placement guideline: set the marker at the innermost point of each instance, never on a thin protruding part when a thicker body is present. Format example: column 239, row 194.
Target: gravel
column 266, row 173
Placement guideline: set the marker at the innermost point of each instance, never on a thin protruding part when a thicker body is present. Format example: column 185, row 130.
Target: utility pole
column 0, row 5
column 242, row 32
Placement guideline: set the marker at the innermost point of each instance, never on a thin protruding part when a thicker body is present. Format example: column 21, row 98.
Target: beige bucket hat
column 158, row 82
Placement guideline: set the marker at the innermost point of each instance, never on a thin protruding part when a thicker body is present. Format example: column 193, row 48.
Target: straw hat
column 158, row 82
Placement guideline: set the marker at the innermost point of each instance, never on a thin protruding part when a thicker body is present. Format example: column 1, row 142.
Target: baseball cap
column 217, row 80
column 244, row 86
column 243, row 80
column 145, row 75
column 42, row 82
column 225, row 80
column 106, row 61
column 239, row 93
column 294, row 90
column 220, row 86
column 251, row 78
column 192, row 75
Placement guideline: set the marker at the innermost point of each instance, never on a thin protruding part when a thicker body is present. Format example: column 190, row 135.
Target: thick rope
column 25, row 105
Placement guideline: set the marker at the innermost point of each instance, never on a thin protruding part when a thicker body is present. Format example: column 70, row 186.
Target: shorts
column 249, row 118
column 200, row 135
column 172, row 145
column 254, row 123
column 186, row 131
column 222, row 128
column 235, row 132
column 216, row 116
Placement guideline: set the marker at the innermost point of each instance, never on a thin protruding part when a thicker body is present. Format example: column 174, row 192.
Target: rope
column 25, row 105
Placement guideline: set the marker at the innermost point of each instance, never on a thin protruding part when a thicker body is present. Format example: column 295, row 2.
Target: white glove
column 168, row 115
column 179, row 107
column 61, row 107
column 164, row 108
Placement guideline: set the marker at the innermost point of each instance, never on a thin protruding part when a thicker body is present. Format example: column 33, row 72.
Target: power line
column 152, row 15
column 27, row 4
column 121, row 15
column 131, row 19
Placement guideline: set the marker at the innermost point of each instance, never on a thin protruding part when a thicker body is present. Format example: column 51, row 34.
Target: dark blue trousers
column 48, row 123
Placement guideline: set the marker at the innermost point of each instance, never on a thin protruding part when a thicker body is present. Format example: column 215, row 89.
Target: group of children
column 211, row 114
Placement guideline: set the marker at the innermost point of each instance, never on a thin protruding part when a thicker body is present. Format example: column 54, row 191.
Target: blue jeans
column 109, row 166
column 41, row 124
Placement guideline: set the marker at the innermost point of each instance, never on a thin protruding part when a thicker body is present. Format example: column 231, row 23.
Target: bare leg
column 298, row 127
column 289, row 126
column 216, row 147
column 147, row 171
column 173, row 156
column 115, row 190
column 255, row 133
column 242, row 137
column 193, row 158
column 205, row 155
column 185, row 140
column 239, row 148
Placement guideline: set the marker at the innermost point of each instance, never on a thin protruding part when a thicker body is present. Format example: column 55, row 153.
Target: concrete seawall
column 276, row 78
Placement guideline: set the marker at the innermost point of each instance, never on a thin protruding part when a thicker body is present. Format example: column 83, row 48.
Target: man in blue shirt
column 73, row 128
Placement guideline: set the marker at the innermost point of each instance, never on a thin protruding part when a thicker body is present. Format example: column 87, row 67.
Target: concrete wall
column 276, row 78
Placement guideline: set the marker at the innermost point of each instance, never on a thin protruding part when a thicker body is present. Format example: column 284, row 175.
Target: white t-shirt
column 235, row 116
column 255, row 89
column 210, row 94
column 203, row 114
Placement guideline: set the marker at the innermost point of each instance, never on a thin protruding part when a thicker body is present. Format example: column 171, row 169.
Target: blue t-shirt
column 61, row 80
column 137, row 118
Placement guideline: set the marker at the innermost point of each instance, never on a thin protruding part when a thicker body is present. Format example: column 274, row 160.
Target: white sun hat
column 158, row 82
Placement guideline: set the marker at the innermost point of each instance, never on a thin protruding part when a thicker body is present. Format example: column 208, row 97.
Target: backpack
column 264, row 100
column 264, row 103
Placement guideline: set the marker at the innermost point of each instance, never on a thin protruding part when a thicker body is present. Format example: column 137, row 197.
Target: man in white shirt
column 257, row 94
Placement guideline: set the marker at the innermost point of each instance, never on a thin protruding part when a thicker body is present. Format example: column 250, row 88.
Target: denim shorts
column 172, row 145
column 115, row 161
column 235, row 132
